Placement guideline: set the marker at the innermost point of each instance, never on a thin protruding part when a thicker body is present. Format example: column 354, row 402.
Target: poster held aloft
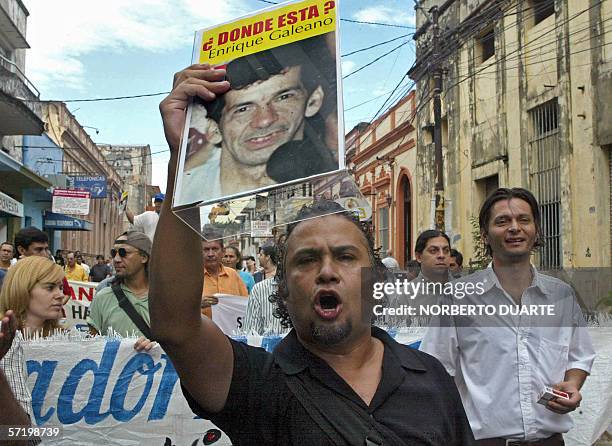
column 280, row 124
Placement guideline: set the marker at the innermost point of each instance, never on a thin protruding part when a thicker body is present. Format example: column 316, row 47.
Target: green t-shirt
column 105, row 312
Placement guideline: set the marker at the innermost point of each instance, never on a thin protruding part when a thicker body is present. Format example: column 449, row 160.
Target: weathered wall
column 487, row 105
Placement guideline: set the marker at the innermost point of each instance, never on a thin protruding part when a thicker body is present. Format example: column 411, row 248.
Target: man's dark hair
column 319, row 208
column 271, row 251
column 457, row 255
column 26, row 236
column 7, row 243
column 425, row 236
column 212, row 235
column 506, row 194
column 413, row 266
column 99, row 257
column 249, row 258
column 312, row 55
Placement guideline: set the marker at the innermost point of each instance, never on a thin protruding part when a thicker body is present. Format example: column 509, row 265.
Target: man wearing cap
column 130, row 255
column 147, row 221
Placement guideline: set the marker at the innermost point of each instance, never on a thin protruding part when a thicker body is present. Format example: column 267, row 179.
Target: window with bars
column 545, row 179
column 383, row 229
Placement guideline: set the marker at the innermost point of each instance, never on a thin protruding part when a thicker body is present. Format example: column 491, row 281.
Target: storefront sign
column 10, row 205
column 95, row 185
column 66, row 201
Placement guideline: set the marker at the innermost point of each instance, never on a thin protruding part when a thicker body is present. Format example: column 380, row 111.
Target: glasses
column 121, row 251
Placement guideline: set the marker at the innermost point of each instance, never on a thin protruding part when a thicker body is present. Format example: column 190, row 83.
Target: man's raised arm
column 200, row 352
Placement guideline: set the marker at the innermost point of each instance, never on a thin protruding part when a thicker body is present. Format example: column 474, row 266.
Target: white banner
column 77, row 309
column 229, row 314
column 102, row 392
column 66, row 201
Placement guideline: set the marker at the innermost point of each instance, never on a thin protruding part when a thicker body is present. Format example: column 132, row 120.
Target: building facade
column 525, row 93
column 20, row 114
column 134, row 166
column 81, row 157
column 382, row 158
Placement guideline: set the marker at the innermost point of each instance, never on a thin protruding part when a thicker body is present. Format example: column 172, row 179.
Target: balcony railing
column 12, row 67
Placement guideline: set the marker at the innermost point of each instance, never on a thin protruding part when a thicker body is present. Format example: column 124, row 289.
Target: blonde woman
column 31, row 301
column 32, row 289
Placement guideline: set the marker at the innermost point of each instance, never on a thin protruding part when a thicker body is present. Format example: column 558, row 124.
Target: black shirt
column 416, row 398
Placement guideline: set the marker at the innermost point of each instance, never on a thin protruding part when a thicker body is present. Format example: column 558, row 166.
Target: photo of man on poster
column 277, row 123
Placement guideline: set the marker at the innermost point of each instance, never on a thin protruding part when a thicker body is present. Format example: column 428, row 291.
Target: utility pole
column 437, row 109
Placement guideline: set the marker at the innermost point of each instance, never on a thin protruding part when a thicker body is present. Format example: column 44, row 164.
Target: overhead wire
column 374, row 61
column 375, row 45
column 452, row 40
column 423, row 103
column 505, row 56
column 145, row 95
column 353, row 21
column 527, row 48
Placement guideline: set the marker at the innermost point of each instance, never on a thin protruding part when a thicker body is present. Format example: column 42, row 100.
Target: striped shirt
column 259, row 314
column 14, row 367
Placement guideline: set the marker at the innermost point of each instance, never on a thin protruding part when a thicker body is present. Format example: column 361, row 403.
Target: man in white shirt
column 502, row 363
column 147, row 221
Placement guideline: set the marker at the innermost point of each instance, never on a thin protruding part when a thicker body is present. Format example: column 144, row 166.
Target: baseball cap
column 159, row 197
column 138, row 240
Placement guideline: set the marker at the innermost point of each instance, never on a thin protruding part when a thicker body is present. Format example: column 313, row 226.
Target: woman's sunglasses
column 121, row 251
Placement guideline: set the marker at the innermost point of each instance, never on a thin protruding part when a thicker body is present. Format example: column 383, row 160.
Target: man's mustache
column 267, row 132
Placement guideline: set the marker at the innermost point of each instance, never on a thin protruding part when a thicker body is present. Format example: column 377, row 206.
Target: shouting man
column 334, row 379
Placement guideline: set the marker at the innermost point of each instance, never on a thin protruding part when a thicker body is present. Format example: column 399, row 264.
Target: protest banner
column 229, row 314
column 102, row 392
column 76, row 309
column 281, row 121
column 66, row 201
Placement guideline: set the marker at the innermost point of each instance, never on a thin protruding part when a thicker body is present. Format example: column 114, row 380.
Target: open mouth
column 327, row 305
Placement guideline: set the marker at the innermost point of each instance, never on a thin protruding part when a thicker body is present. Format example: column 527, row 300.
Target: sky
column 99, row 49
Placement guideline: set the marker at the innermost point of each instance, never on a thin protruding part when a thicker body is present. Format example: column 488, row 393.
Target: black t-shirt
column 416, row 398
column 99, row 272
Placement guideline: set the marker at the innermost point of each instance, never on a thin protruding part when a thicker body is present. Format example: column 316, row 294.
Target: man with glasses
column 130, row 255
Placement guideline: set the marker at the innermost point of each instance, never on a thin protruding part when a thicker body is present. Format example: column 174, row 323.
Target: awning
column 62, row 222
column 14, row 176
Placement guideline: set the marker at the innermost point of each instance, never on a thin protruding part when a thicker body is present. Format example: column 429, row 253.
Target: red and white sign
column 66, row 201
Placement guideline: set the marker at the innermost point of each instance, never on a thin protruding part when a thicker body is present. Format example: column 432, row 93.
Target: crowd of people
column 335, row 378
